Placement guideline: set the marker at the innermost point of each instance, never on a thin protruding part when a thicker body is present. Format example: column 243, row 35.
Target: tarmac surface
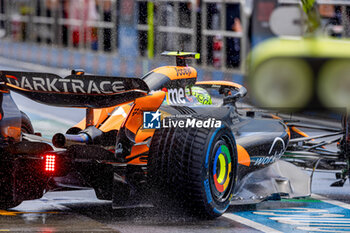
column 327, row 210
column 81, row 211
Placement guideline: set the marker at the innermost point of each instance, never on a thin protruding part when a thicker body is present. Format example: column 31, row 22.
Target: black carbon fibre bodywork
column 10, row 120
column 157, row 81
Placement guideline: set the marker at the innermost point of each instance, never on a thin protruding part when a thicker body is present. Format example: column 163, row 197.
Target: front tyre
column 194, row 169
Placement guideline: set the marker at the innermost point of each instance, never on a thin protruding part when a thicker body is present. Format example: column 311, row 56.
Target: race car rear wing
column 76, row 90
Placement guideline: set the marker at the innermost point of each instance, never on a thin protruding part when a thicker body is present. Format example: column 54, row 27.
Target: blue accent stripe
column 218, row 152
column 207, row 191
column 209, row 146
column 216, row 211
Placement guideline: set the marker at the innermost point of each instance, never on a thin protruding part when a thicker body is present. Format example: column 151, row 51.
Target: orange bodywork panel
column 13, row 132
column 243, row 156
column 275, row 117
column 289, row 133
column 148, row 103
column 141, row 136
column 177, row 72
column 135, row 120
column 117, row 118
column 298, row 131
column 4, row 91
column 11, row 76
column 301, row 133
column 99, row 116
column 220, row 83
column 137, row 161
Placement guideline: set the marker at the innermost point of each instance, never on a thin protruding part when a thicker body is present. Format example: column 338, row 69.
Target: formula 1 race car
column 163, row 139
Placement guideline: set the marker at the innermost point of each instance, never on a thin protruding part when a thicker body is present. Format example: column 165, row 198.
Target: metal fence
column 92, row 25
column 83, row 24
column 218, row 29
column 215, row 28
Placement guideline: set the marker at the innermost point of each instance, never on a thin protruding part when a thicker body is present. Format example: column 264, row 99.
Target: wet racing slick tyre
column 6, row 196
column 193, row 169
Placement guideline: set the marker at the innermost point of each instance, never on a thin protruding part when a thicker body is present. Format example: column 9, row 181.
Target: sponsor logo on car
column 66, row 85
column 182, row 71
column 277, row 149
column 174, row 96
column 152, row 120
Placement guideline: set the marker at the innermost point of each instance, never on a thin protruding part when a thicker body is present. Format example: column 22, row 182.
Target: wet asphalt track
column 74, row 211
column 71, row 211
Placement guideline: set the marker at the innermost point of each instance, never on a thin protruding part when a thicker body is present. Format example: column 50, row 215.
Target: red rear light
column 50, row 162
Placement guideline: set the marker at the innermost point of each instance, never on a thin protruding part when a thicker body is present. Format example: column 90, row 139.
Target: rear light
column 50, row 163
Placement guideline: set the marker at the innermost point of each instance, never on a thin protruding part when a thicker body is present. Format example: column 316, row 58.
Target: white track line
column 267, row 229
column 330, row 201
column 250, row 223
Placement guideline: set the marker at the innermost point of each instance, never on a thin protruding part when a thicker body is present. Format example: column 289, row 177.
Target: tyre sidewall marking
column 218, row 207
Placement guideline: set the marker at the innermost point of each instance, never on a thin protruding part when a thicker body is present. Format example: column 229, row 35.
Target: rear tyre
column 193, row 169
column 6, row 197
